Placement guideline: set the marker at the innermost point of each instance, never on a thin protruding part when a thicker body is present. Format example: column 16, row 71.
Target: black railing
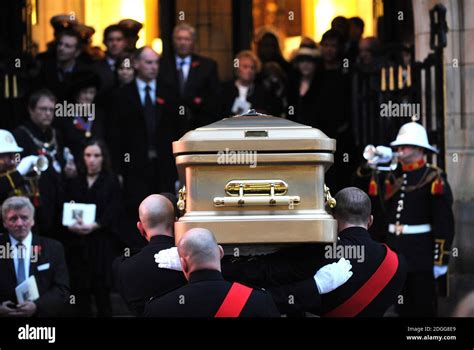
column 392, row 81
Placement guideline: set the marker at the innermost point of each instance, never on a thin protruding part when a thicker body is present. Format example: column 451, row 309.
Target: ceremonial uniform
column 208, row 295
column 138, row 277
column 11, row 184
column 416, row 218
column 378, row 277
column 48, row 143
column 420, row 220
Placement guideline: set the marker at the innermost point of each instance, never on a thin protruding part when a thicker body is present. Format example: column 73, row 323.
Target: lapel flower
column 160, row 101
column 37, row 250
column 195, row 64
column 197, row 100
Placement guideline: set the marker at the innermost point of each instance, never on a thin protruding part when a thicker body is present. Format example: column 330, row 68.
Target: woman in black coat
column 91, row 248
column 88, row 123
column 303, row 88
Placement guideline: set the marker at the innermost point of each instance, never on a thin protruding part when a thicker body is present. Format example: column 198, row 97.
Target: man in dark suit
column 141, row 139
column 114, row 40
column 55, row 72
column 378, row 273
column 192, row 82
column 207, row 294
column 138, row 277
column 31, row 255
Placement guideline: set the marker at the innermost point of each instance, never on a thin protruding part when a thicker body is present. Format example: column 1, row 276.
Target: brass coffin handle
column 329, row 199
column 182, row 199
column 242, row 193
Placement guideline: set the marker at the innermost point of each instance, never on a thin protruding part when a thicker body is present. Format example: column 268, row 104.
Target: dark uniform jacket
column 203, row 296
column 11, row 184
column 420, row 196
column 289, row 274
column 138, row 277
column 200, row 92
column 53, row 282
column 50, row 183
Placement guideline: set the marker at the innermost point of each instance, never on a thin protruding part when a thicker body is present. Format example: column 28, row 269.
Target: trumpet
column 380, row 155
column 41, row 164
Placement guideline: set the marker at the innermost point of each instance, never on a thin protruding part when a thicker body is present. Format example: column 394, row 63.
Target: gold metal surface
column 256, row 187
column 280, row 198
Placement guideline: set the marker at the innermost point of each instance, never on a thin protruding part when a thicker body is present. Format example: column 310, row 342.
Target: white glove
column 331, row 276
column 168, row 259
column 439, row 270
column 26, row 164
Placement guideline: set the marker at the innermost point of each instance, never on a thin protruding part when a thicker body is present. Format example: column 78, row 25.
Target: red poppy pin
column 197, row 100
column 37, row 250
column 160, row 101
column 195, row 64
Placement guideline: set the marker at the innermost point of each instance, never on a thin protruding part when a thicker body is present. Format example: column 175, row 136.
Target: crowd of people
column 104, row 123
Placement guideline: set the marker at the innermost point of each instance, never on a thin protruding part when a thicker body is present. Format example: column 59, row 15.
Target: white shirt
column 186, row 65
column 141, row 85
column 26, row 253
column 111, row 62
column 243, row 91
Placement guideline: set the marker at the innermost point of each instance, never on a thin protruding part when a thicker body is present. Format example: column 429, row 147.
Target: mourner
column 145, row 160
column 92, row 247
column 418, row 218
column 114, row 40
column 303, row 88
column 244, row 92
column 88, row 119
column 55, row 72
column 38, row 137
column 191, row 81
column 207, row 294
column 33, row 256
column 137, row 277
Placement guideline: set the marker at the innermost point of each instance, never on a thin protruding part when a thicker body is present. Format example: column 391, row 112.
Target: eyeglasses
column 45, row 109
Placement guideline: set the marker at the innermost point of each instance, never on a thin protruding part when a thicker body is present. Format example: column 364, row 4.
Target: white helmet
column 413, row 134
column 8, row 143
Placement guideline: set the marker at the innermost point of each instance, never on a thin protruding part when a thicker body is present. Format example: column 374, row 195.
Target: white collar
column 26, row 242
column 142, row 84
column 186, row 60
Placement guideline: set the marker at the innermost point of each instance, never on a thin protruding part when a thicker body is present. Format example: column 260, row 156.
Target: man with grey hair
column 207, row 294
column 26, row 255
column 191, row 80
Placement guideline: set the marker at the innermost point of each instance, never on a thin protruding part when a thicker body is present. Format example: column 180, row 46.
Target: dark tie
column 182, row 80
column 21, row 250
column 150, row 119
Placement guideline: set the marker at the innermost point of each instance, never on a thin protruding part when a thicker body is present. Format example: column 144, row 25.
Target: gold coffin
column 256, row 179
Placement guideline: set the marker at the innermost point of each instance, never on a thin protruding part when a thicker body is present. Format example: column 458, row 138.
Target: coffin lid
column 254, row 132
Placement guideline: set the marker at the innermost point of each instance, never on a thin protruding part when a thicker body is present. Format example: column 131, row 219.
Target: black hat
column 62, row 22
column 130, row 27
column 306, row 53
column 83, row 79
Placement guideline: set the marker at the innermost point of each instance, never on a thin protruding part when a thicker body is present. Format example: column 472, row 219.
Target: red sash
column 234, row 301
column 369, row 291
